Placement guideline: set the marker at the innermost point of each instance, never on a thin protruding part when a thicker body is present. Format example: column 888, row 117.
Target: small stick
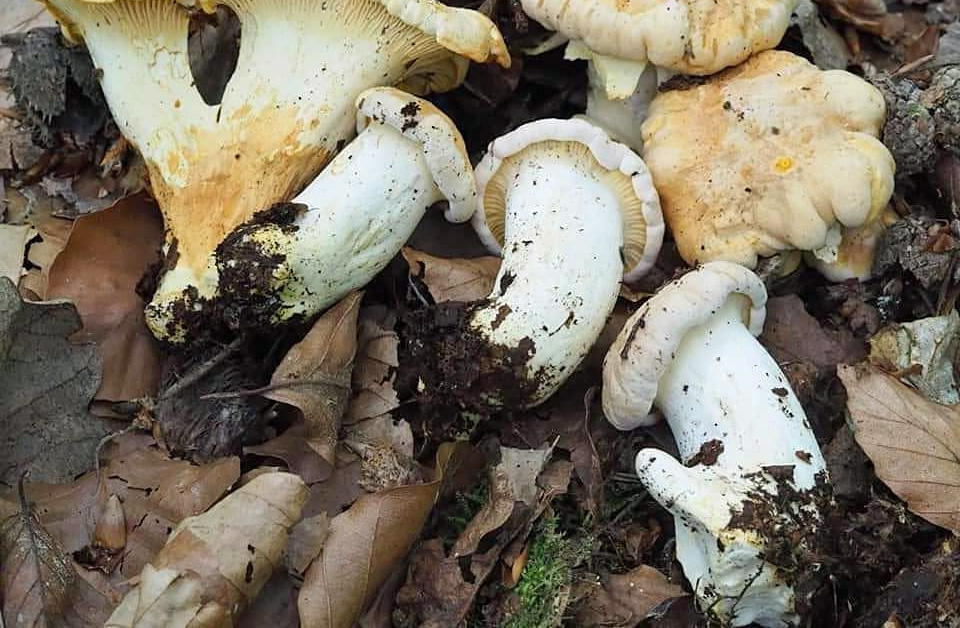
column 337, row 382
column 196, row 374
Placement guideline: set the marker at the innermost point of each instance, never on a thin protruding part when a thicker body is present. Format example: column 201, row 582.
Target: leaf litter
column 396, row 528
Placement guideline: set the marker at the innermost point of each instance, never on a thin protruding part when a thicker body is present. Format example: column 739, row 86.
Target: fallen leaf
column 13, row 248
column 914, row 443
column 624, row 599
column 364, row 545
column 927, row 344
column 214, row 564
column 53, row 234
column 826, row 45
column 375, row 367
column 293, row 449
column 306, row 541
column 385, row 447
column 39, row 584
column 453, row 279
column 46, row 384
column 791, row 334
column 513, row 479
column 106, row 255
column 160, row 493
column 315, row 374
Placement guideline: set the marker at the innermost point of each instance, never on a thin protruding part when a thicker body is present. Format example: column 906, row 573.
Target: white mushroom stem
column 748, row 491
column 561, row 268
column 360, row 210
column 621, row 117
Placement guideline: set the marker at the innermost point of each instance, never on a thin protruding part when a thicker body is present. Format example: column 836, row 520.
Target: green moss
column 466, row 504
column 544, row 585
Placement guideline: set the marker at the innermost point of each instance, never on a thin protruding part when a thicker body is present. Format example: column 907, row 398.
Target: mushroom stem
column 359, row 212
column 749, row 491
column 554, row 292
column 568, row 210
column 721, row 371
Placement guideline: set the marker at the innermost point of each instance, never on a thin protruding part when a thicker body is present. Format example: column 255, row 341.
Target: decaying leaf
column 306, row 541
column 105, row 257
column 314, row 376
column 13, row 248
column 276, row 606
column 375, row 367
column 41, row 254
column 826, row 45
column 791, row 334
column 46, row 384
column 385, row 447
column 364, row 545
column 513, row 479
column 924, row 351
column 39, row 585
column 215, row 564
column 624, row 599
column 156, row 494
column 453, row 279
column 914, row 443
column 293, row 448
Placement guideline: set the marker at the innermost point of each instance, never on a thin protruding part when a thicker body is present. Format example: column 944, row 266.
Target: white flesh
column 561, row 248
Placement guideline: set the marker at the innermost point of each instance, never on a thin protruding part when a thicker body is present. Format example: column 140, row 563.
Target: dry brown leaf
column 513, row 479
column 38, row 582
column 105, row 257
column 315, row 374
column 276, row 606
column 453, row 279
column 375, row 367
column 364, row 546
column 791, row 334
column 306, row 541
column 46, row 384
column 214, row 564
column 157, row 495
column 624, row 599
column 292, row 448
column 914, row 443
column 334, row 494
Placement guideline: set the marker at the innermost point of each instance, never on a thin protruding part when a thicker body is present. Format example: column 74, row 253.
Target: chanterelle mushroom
column 750, row 489
column 286, row 110
column 570, row 212
column 624, row 40
column 353, row 218
column 772, row 156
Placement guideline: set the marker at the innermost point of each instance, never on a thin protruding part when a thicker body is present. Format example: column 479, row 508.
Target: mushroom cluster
column 285, row 112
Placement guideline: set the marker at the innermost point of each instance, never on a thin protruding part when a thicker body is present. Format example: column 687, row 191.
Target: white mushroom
column 353, row 218
column 286, row 110
column 749, row 491
column 570, row 212
column 631, row 45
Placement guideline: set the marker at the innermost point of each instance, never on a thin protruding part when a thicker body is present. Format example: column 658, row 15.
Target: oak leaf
column 453, row 279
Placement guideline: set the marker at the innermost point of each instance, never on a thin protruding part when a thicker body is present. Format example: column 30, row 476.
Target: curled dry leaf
column 39, row 585
column 46, row 384
column 215, row 564
column 513, row 479
column 914, row 443
column 791, row 334
column 624, row 599
column 453, row 279
column 364, row 545
column 41, row 254
column 306, row 541
column 314, row 376
column 375, row 367
column 106, row 255
column 293, row 448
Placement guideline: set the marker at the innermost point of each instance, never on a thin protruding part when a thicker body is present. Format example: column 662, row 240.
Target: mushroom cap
column 687, row 36
column 647, row 344
column 462, row 31
column 643, row 225
column 772, row 155
column 443, row 148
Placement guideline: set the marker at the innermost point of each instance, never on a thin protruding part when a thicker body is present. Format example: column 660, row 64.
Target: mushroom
column 750, row 490
column 572, row 213
column 353, row 218
column 773, row 156
column 631, row 46
column 285, row 111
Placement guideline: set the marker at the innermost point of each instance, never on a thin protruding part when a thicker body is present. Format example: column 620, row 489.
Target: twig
column 197, row 373
column 906, row 68
column 106, row 439
column 337, row 382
